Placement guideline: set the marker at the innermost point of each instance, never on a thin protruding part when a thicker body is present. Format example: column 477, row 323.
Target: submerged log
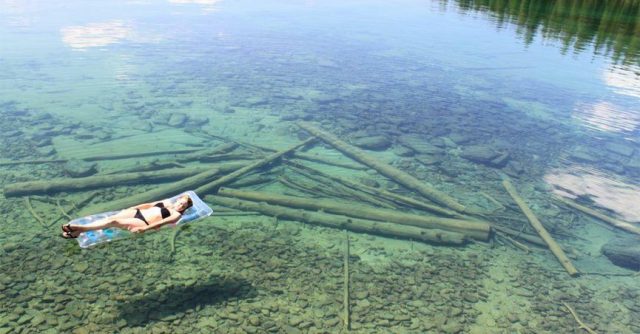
column 325, row 161
column 291, row 184
column 313, row 188
column 593, row 213
column 348, row 192
column 381, row 193
column 150, row 167
column 521, row 235
column 337, row 221
column 249, row 146
column 395, row 174
column 199, row 180
column 213, row 186
column 99, row 181
column 345, row 286
column 226, row 157
column 99, row 158
column 253, row 180
column 542, row 232
column 161, row 192
column 474, row 229
column 27, row 203
column 219, row 149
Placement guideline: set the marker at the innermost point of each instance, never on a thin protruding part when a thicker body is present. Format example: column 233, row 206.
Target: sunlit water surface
column 557, row 86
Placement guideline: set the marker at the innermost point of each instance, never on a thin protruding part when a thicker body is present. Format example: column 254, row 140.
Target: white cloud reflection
column 625, row 81
column 607, row 116
column 207, row 5
column 95, row 34
column 610, row 116
column 16, row 13
column 606, row 192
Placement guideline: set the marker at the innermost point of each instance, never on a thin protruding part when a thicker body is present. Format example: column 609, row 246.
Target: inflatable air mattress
column 92, row 238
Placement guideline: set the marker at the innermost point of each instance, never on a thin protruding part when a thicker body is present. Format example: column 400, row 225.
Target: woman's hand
column 138, row 229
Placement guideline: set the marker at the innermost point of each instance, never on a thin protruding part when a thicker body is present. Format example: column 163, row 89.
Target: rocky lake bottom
column 257, row 274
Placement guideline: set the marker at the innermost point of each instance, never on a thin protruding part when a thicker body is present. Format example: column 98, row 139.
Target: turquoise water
column 458, row 94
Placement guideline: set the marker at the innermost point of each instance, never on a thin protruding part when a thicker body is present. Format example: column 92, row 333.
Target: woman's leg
column 128, row 223
column 105, row 222
column 123, row 223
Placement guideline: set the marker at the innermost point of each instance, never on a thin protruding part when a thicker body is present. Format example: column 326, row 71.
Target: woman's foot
column 70, row 235
column 67, row 228
column 69, row 232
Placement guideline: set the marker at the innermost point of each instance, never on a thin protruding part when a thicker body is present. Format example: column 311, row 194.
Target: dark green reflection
column 611, row 26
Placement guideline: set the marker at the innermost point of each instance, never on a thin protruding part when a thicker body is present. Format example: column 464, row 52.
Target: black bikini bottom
column 140, row 216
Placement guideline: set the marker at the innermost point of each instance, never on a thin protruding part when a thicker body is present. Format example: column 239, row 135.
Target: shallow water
column 459, row 94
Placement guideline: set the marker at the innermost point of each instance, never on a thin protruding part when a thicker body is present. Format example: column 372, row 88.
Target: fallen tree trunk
column 321, row 160
column 198, row 180
column 313, row 188
column 253, row 180
column 521, row 235
column 226, row 156
column 593, row 213
column 253, row 147
column 395, row 174
column 345, row 286
column 219, row 149
column 473, row 229
column 348, row 192
column 161, row 192
column 92, row 182
column 213, row 186
column 336, row 221
column 542, row 232
column 381, row 193
column 101, row 157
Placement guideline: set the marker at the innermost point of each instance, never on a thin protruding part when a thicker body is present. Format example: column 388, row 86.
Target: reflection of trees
column 612, row 26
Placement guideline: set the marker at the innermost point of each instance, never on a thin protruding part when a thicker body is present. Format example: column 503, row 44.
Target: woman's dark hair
column 189, row 204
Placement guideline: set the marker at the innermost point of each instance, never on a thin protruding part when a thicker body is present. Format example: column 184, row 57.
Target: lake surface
column 461, row 95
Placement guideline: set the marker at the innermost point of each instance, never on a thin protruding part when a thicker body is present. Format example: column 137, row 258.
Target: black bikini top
column 163, row 211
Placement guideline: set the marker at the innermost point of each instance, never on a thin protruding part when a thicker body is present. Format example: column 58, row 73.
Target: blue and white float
column 92, row 238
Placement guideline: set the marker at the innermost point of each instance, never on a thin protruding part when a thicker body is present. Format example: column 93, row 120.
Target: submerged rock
column 80, row 168
column 479, row 153
column 403, row 151
column 228, row 110
column 514, row 168
column 46, row 151
column 633, row 165
column 419, row 144
column 160, row 118
column 459, row 138
column 374, row 143
column 326, row 99
column 369, row 182
column 623, row 252
column 289, row 117
column 84, row 134
column 197, row 121
column 429, row 160
column 582, row 154
column 625, row 149
column 256, row 101
column 177, row 119
column 485, row 155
